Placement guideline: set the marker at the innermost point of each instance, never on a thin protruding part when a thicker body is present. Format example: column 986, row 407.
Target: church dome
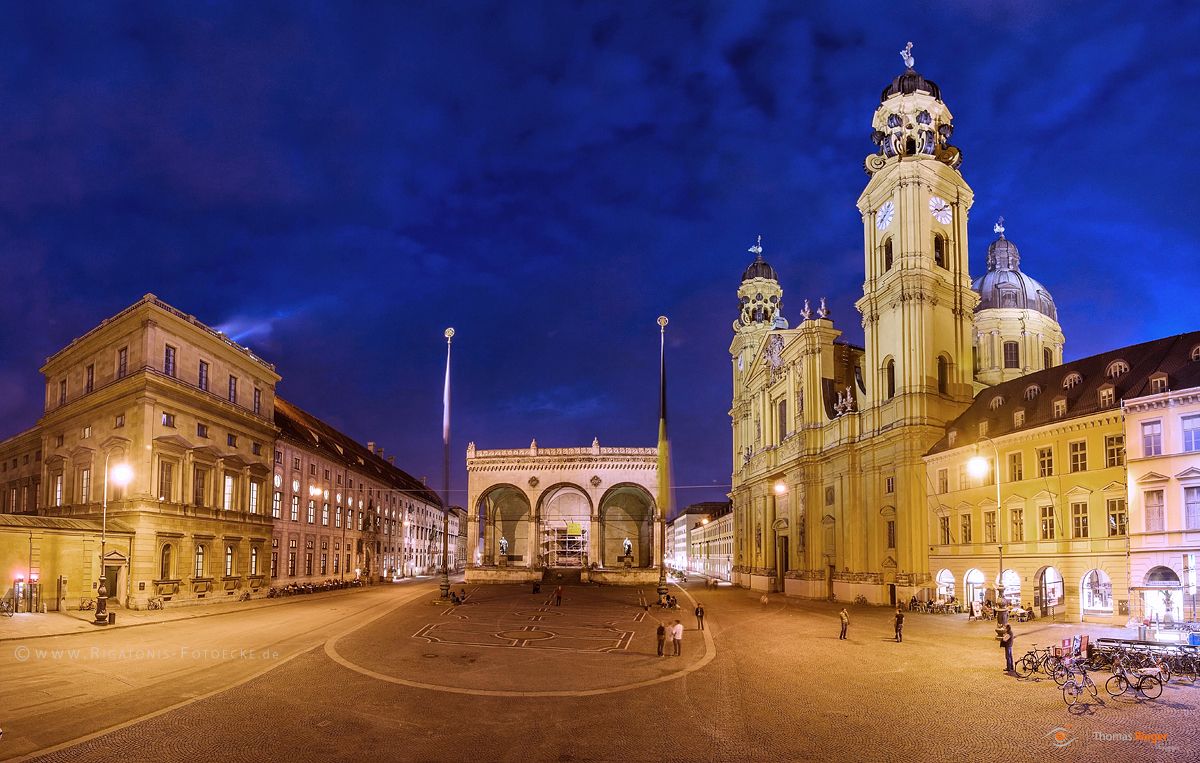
column 908, row 83
column 759, row 269
column 1005, row 286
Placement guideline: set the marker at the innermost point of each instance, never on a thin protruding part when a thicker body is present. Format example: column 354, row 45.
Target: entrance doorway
column 974, row 583
column 1048, row 593
column 112, row 577
column 781, row 562
column 892, row 594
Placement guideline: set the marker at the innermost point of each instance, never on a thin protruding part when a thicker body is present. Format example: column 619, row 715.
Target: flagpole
column 664, row 460
column 444, row 587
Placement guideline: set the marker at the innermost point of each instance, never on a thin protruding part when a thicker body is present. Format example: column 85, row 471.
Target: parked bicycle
column 155, row 603
column 245, row 596
column 1077, row 683
column 1144, row 682
column 6, row 607
column 86, row 604
column 1037, row 659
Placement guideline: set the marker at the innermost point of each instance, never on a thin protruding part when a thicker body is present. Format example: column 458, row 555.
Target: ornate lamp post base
column 101, row 605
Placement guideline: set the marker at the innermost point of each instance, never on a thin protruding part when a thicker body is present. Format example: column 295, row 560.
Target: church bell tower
column 917, row 302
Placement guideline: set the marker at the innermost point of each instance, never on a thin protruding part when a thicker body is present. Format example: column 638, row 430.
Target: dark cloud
column 335, row 184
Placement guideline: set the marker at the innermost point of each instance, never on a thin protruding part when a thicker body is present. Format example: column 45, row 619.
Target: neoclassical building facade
column 829, row 482
column 590, row 509
column 231, row 489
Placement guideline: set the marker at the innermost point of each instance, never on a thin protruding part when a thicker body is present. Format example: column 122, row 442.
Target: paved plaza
column 384, row 674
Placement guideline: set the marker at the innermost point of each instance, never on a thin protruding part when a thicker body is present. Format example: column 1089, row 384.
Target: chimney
column 392, row 460
column 423, row 482
column 371, row 446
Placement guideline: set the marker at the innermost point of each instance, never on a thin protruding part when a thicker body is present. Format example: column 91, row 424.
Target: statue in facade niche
column 628, row 546
column 503, row 546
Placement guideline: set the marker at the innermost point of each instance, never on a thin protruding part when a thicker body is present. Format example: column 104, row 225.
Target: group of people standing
column 676, row 632
column 898, row 622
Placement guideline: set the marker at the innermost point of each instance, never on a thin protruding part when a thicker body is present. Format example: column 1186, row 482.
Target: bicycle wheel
column 1071, row 692
column 1149, row 687
column 1116, row 686
column 1025, row 666
column 1061, row 674
column 1051, row 664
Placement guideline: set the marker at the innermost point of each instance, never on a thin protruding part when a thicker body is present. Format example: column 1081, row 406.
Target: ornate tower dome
column 912, row 120
column 1016, row 322
column 760, row 297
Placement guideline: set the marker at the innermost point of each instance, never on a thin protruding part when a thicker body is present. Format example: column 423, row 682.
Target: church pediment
column 889, row 563
column 780, row 525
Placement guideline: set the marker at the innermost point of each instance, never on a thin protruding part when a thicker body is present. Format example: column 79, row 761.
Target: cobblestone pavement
column 774, row 683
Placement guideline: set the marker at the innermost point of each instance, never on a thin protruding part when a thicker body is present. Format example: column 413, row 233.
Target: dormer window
column 1116, row 368
column 1060, row 408
column 983, row 428
column 1032, row 391
column 1018, row 418
column 952, row 437
column 1195, row 354
column 997, row 401
column 1158, row 383
column 1107, row 396
column 1072, row 380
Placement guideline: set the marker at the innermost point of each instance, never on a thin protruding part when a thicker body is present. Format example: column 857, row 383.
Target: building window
column 276, row 504
column 1107, row 397
column 889, row 485
column 1191, row 508
column 1078, row 454
column 274, row 564
column 1191, row 433
column 118, row 421
column 324, row 563
column 164, row 564
column 83, row 435
column 1072, row 380
column 963, row 483
column 783, row 420
column 1060, row 408
column 279, row 456
column 312, row 511
column 983, row 428
column 254, row 560
column 231, row 440
column 1114, row 450
column 1117, row 517
column 198, row 478
column 1032, row 391
column 168, row 420
column 253, row 496
column 943, row 478
column 337, row 517
column 1154, row 511
column 944, row 530
column 1012, row 355
column 325, row 515
column 292, row 563
column 943, row 375
column 295, row 515
column 257, row 401
column 198, row 571
column 228, row 502
column 1047, row 524
column 233, row 389
column 887, row 255
column 1152, row 438
column 1018, row 525
column 989, row 527
column 965, row 528
column 62, row 391
column 890, row 373
column 202, row 377
column 229, row 561
column 1079, row 520
column 1016, row 467
column 165, row 475
column 58, row 490
column 256, row 448
column 202, row 430
column 85, row 486
column 1045, row 457
column 308, row 559
column 1116, row 368
column 939, row 250
column 169, row 361
column 1047, row 357
column 312, row 469
column 1158, row 384
column 295, row 462
column 122, row 362
column 89, row 382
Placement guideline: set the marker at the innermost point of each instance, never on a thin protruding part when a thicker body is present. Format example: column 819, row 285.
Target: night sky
column 333, row 184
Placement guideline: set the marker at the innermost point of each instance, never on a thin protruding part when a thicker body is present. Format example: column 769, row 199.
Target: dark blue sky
column 335, row 183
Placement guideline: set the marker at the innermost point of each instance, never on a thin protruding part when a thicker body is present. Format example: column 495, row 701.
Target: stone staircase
column 562, row 576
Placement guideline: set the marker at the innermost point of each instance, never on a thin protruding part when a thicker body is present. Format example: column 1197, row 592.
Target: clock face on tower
column 883, row 218
column 940, row 210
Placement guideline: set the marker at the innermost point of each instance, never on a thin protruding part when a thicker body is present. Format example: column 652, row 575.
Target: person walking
column 662, row 638
column 1006, row 641
column 899, row 625
column 677, row 639
column 558, row 596
column 699, row 616
column 845, row 618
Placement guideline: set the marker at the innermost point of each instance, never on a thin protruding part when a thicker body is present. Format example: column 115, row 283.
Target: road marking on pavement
column 196, row 698
column 710, row 652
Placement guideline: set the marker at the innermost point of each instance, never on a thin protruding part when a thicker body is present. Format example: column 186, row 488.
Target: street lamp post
column 977, row 467
column 664, row 461
column 444, row 586
column 121, row 474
